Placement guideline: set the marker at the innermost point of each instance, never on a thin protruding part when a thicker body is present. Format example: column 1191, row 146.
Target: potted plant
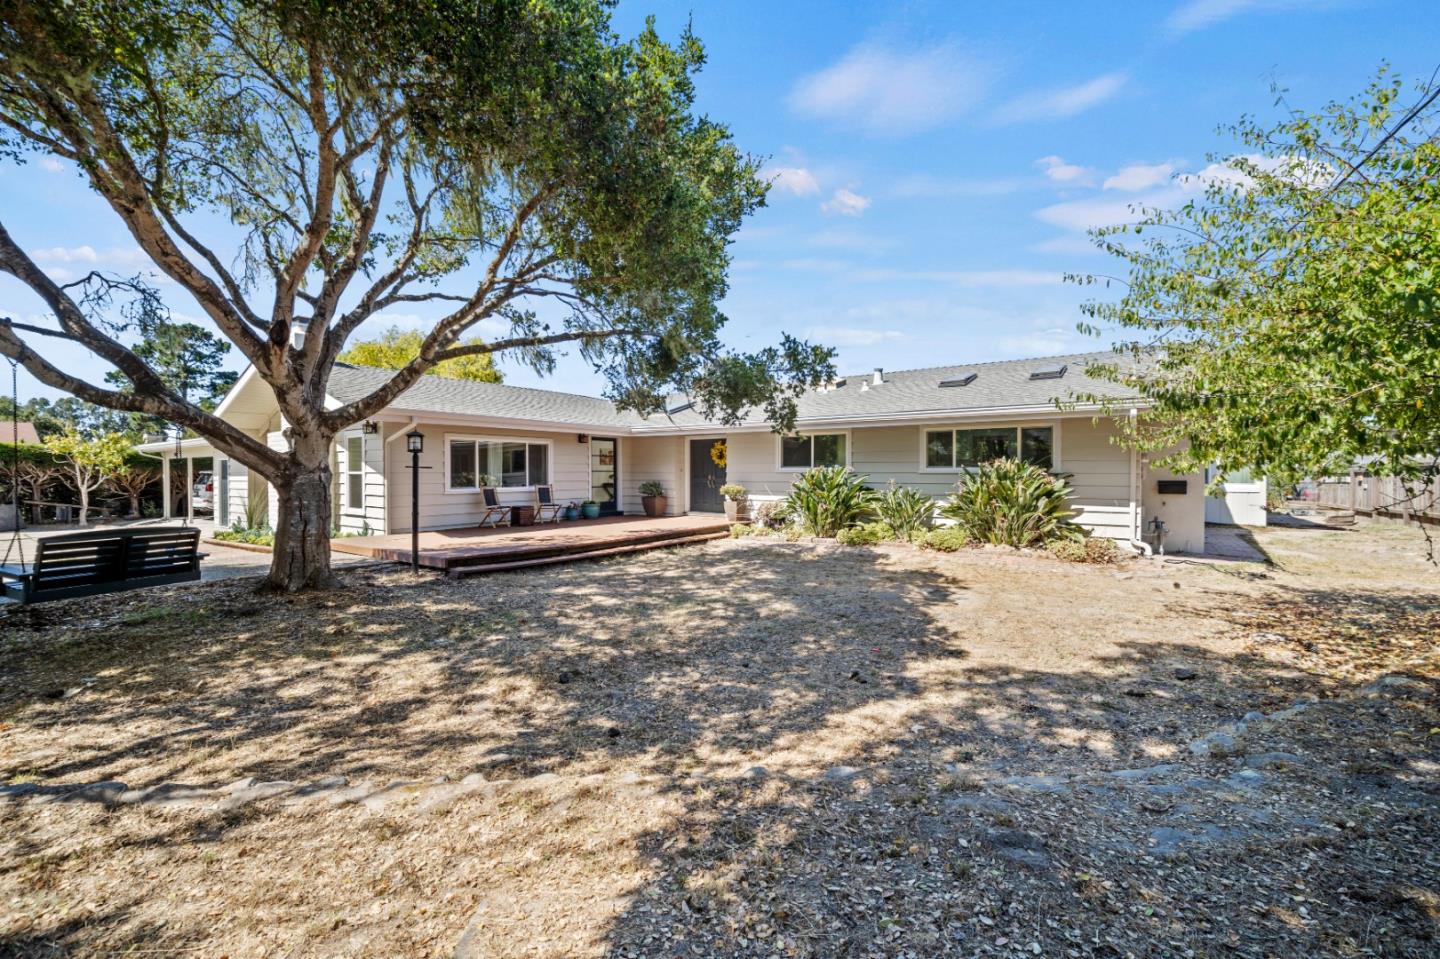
column 590, row 509
column 652, row 497
column 572, row 511
column 737, row 502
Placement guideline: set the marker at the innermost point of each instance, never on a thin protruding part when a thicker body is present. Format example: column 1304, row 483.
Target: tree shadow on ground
column 684, row 670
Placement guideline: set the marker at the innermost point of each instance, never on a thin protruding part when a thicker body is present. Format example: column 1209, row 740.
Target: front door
column 605, row 474
column 706, row 478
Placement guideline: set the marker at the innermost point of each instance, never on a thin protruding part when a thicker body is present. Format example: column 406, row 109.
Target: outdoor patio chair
column 495, row 514
column 546, row 509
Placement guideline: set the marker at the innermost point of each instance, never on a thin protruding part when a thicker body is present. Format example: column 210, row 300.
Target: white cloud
column 66, row 254
column 794, row 180
column 1081, row 215
column 1044, row 342
column 1058, row 171
column 925, row 186
column 1199, row 14
column 848, row 239
column 891, row 92
column 853, row 336
column 964, row 279
column 846, row 203
column 1139, row 176
column 1062, row 102
column 51, row 165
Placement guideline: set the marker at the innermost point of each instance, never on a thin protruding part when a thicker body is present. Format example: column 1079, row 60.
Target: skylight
column 964, row 379
column 1052, row 372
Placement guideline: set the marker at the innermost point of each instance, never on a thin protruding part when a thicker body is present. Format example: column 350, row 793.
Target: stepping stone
column 1164, row 769
column 166, row 794
column 841, row 774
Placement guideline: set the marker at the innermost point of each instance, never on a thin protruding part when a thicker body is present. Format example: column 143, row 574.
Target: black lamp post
column 415, row 443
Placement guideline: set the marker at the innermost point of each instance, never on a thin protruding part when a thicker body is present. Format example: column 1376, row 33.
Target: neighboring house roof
column 23, row 433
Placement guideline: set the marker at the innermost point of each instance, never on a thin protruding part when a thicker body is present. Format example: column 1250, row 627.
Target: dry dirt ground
column 751, row 748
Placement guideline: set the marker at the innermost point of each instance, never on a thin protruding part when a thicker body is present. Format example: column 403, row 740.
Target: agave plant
column 1011, row 503
column 827, row 499
column 905, row 510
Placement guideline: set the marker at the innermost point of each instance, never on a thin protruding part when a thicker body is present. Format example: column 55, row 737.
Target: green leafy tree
column 188, row 358
column 92, row 462
column 1287, row 317
column 395, row 349
column 484, row 157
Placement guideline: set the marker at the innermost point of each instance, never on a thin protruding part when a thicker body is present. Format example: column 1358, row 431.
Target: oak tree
column 517, row 162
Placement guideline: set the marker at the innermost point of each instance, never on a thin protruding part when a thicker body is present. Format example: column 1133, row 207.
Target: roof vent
column 964, row 379
column 878, row 377
column 1052, row 372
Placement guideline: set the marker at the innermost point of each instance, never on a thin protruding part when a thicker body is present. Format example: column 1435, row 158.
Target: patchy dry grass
column 658, row 731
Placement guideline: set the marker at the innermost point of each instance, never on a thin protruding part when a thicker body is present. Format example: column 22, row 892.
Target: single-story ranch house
column 919, row 428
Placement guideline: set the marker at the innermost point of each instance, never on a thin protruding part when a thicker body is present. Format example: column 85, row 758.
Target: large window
column 474, row 463
column 355, row 472
column 963, row 449
column 820, row 449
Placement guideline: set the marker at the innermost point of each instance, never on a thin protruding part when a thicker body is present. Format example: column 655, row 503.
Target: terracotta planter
column 654, row 505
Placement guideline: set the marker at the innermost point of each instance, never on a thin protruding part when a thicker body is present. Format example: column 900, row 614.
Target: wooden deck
column 462, row 552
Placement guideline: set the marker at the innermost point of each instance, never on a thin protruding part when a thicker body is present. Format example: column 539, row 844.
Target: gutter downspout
column 1137, row 491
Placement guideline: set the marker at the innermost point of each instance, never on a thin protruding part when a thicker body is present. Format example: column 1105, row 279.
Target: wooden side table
column 522, row 516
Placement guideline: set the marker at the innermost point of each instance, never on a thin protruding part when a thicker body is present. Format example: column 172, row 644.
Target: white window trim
column 1054, row 426
column 780, row 449
column 477, row 438
column 349, row 510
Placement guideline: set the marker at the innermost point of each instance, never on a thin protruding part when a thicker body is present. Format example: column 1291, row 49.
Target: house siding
column 1100, row 471
column 369, row 518
column 440, row 509
column 645, row 458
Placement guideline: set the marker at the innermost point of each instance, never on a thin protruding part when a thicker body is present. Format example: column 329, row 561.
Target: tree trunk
column 134, row 506
column 301, row 558
column 84, row 503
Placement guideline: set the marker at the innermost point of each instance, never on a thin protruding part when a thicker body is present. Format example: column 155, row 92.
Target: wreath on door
column 718, row 454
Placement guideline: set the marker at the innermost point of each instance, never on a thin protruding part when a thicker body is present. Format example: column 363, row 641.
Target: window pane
column 940, row 449
column 973, row 447
column 795, row 452
column 539, row 465
column 462, row 464
column 356, row 490
column 354, row 469
column 1035, row 445
column 512, row 465
column 829, row 449
column 487, row 464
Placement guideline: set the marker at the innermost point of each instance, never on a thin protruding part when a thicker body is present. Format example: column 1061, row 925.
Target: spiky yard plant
column 1010, row 503
column 827, row 499
column 905, row 510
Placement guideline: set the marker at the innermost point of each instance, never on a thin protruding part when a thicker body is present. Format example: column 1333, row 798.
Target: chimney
column 879, row 377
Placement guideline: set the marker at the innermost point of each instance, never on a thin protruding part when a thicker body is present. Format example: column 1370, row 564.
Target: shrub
column 738, row 530
column 905, row 510
column 652, row 488
column 827, row 499
column 254, row 535
column 1010, row 503
column 766, row 515
column 866, row 534
column 1091, row 549
column 947, row 539
column 734, row 491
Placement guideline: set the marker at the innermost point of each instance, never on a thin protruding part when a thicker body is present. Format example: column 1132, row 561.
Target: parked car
column 204, row 492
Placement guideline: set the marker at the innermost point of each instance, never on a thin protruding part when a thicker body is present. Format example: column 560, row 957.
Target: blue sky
column 935, row 164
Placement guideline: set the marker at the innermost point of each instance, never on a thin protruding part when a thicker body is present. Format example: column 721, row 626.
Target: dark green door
column 705, row 479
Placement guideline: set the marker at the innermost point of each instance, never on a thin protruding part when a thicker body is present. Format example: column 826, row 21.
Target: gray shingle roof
column 996, row 385
column 439, row 394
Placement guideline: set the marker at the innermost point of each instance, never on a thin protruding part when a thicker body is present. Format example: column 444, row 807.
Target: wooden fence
column 1381, row 496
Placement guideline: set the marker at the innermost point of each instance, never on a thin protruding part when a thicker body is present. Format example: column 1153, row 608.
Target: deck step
column 520, row 552
column 474, row 569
